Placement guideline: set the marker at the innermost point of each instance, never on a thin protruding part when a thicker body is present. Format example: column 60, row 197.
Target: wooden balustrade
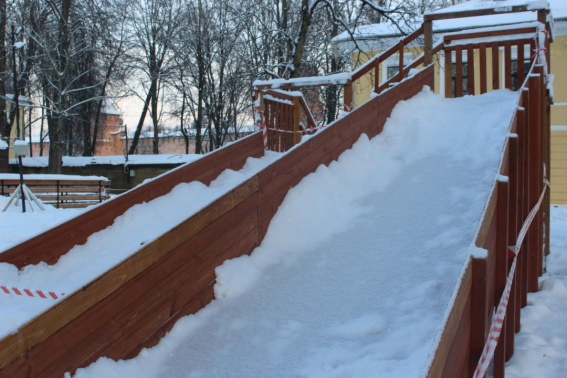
column 512, row 199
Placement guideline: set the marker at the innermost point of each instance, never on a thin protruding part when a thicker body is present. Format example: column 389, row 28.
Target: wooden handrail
column 491, row 33
column 377, row 59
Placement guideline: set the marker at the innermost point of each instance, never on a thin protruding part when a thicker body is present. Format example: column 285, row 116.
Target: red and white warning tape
column 31, row 293
column 500, row 314
column 263, row 127
column 304, row 131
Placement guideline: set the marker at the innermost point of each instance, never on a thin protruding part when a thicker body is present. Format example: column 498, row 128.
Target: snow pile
column 357, row 268
column 541, row 346
column 16, row 227
column 103, row 250
column 34, row 176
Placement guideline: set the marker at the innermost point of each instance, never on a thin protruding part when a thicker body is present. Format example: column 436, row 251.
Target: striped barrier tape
column 500, row 314
column 263, row 127
column 304, row 131
column 31, row 293
column 265, row 135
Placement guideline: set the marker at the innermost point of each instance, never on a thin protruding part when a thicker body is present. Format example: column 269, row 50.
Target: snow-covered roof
column 82, row 161
column 47, row 176
column 387, row 29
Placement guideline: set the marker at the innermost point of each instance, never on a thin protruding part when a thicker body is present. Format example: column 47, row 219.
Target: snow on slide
column 357, row 269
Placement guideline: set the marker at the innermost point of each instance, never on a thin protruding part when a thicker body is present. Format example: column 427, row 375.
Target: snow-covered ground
column 541, row 345
column 15, row 226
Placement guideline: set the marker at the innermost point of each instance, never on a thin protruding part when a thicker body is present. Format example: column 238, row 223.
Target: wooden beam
column 502, row 209
column 428, row 42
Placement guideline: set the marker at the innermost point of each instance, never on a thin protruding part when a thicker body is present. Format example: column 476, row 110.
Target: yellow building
column 373, row 39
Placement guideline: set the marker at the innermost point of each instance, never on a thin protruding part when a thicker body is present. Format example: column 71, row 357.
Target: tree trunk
column 5, row 127
column 141, row 121
column 55, row 124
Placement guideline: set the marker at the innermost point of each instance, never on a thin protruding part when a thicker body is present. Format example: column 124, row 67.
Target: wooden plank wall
column 466, row 331
column 50, row 245
column 133, row 305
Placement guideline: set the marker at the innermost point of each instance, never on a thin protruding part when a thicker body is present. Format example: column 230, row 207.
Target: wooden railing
column 457, row 45
column 73, row 193
column 522, row 181
column 280, row 118
column 286, row 117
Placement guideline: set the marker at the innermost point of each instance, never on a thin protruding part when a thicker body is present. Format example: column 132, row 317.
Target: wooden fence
column 134, row 304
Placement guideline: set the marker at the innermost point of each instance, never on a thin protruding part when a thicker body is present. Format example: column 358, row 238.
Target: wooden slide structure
column 134, row 304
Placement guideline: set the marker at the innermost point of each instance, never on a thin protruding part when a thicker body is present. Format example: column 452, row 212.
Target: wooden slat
column 501, row 271
column 459, row 69
column 507, row 65
column 470, row 70
column 534, row 117
column 448, row 74
column 483, row 73
column 495, row 66
column 479, row 309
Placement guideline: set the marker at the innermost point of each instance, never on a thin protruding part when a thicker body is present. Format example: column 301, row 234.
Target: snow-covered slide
column 358, row 266
column 153, row 281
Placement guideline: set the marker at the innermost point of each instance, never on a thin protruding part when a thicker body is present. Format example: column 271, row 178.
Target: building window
column 392, row 71
column 514, row 82
column 465, row 82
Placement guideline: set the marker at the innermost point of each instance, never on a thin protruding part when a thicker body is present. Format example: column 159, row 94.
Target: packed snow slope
column 356, row 272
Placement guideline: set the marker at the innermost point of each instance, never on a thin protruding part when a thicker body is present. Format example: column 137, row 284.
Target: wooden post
column 348, row 96
column 512, row 315
column 495, row 67
column 520, row 60
column 376, row 76
column 534, row 241
column 502, row 206
column 470, row 70
column 542, row 18
column 459, row 69
column 507, row 65
column 448, row 74
column 523, row 190
column 401, row 61
column 479, row 324
column 547, row 142
column 428, row 42
column 483, row 75
column 296, row 119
